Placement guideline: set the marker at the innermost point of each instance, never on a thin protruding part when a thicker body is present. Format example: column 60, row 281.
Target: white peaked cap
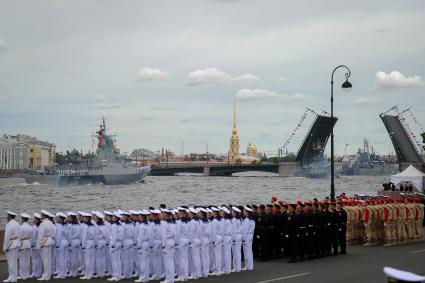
column 208, row 210
column 72, row 213
column 175, row 211
column 45, row 212
column 225, row 209
column 61, row 214
column 108, row 213
column 93, row 212
column 117, row 214
column 247, row 208
column 145, row 212
column 125, row 213
column 203, row 209
column 234, row 208
column 120, row 211
column 181, row 208
column 85, row 214
column 24, row 215
column 37, row 215
column 215, row 209
column 403, row 275
column 11, row 213
column 155, row 211
column 131, row 211
column 99, row 214
column 193, row 210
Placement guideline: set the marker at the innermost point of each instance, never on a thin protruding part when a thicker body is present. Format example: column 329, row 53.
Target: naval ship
column 107, row 167
column 367, row 163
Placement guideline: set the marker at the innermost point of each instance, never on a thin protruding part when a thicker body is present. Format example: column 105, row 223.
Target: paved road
column 362, row 264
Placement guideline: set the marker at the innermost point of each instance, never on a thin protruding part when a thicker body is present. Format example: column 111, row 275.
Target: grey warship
column 107, row 167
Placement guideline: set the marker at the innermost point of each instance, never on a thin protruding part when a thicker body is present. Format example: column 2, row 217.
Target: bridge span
column 223, row 170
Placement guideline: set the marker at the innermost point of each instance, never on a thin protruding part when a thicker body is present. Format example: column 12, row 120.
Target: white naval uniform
column 25, row 234
column 126, row 251
column 143, row 236
column 74, row 240
column 100, row 249
column 168, row 233
column 88, row 237
column 156, row 253
column 182, row 249
column 45, row 242
column 35, row 253
column 237, row 243
column 108, row 263
column 115, row 248
column 194, row 248
column 248, row 227
column 10, row 247
column 227, row 246
column 205, row 246
column 217, row 230
column 134, row 251
column 62, row 249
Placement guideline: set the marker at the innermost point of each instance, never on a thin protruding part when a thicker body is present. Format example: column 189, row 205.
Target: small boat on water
column 107, row 167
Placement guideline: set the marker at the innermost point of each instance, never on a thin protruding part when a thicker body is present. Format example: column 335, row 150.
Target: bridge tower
column 234, row 139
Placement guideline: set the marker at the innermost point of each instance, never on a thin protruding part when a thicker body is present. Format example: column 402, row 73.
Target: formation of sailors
column 169, row 244
column 377, row 220
column 299, row 231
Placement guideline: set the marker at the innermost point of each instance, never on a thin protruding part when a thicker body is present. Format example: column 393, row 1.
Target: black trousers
column 292, row 244
column 334, row 238
column 342, row 240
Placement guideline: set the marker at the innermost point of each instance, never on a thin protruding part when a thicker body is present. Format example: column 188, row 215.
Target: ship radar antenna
column 103, row 122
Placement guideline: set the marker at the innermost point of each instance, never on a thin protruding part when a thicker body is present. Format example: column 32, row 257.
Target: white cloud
column 250, row 94
column 396, row 80
column 103, row 104
column 363, row 100
column 246, row 78
column 282, row 80
column 216, row 76
column 208, row 76
column 148, row 118
column 151, row 74
column 3, row 45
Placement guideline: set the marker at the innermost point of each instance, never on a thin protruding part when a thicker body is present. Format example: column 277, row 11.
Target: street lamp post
column 346, row 86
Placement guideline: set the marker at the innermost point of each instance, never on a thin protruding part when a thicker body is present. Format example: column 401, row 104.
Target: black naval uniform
column 333, row 232
column 292, row 236
column 262, row 236
column 302, row 233
column 342, row 230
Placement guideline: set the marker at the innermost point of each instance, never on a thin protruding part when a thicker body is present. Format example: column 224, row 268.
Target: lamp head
column 347, row 86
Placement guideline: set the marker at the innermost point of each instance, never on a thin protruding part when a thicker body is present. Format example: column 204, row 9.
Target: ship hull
column 111, row 179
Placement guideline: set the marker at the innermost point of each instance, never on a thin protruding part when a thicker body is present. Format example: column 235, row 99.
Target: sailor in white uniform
column 227, row 241
column 217, row 231
column 108, row 226
column 11, row 246
column 74, row 240
column 237, row 239
column 182, row 245
column 168, row 233
column 45, row 242
column 100, row 249
column 88, row 235
column 127, row 246
column 194, row 244
column 142, row 238
column 248, row 227
column 25, row 234
column 155, row 245
column 35, row 252
column 115, row 247
column 61, row 242
column 134, row 253
column 205, row 241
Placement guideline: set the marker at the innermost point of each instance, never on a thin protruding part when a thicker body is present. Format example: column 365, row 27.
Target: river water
column 175, row 190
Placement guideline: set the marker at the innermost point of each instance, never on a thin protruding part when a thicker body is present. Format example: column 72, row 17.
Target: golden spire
column 234, row 111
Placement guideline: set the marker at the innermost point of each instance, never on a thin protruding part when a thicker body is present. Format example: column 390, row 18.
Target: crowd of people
column 169, row 244
column 377, row 220
column 192, row 242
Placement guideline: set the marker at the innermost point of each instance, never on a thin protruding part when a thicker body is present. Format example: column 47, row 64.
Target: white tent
column 411, row 174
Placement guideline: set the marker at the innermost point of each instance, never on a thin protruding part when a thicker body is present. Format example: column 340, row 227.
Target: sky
column 164, row 73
